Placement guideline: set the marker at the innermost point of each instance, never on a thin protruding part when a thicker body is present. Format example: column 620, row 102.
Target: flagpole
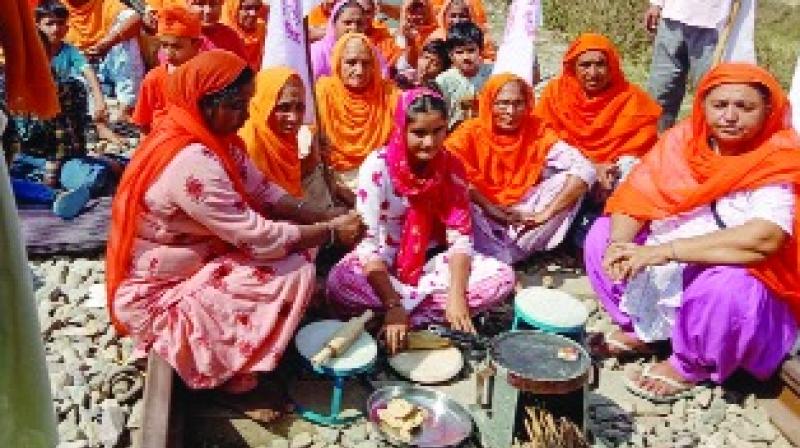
column 315, row 141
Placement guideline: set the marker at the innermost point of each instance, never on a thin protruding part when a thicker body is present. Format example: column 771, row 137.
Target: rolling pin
column 342, row 339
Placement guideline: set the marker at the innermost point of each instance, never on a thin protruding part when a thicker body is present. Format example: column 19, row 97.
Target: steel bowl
column 447, row 423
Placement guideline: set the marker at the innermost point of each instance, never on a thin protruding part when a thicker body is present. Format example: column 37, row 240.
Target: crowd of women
column 436, row 173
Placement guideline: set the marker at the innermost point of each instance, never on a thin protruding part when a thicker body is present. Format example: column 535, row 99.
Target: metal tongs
column 473, row 345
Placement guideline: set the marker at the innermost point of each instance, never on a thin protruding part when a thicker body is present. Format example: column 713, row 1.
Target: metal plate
column 447, row 424
column 533, row 355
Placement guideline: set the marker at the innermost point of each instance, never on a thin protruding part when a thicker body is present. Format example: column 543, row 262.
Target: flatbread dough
column 428, row 366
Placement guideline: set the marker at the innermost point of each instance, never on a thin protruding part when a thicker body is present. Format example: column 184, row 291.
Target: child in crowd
column 215, row 33
column 433, row 60
column 179, row 34
column 461, row 83
column 67, row 61
column 106, row 32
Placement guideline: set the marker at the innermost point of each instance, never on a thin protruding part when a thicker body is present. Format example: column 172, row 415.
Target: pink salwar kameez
column 214, row 288
column 509, row 243
column 383, row 211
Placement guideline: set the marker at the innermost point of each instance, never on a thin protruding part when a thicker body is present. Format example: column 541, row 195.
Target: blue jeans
column 28, row 172
column 680, row 53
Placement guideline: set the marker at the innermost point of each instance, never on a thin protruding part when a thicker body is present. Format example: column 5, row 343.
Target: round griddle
column 532, row 362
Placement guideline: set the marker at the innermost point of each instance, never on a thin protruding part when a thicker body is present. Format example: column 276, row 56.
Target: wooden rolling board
column 428, row 366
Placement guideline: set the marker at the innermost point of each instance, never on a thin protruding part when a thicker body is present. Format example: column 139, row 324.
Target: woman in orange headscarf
column 355, row 103
column 594, row 108
column 270, row 136
column 248, row 18
column 526, row 183
column 196, row 269
column 701, row 245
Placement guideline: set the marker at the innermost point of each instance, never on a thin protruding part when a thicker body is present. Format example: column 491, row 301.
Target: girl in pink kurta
column 199, row 269
column 408, row 213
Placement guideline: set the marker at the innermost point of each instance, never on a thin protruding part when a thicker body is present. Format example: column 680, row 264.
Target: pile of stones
column 97, row 390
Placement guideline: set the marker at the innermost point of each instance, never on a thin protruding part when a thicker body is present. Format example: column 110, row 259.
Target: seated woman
column 106, row 32
column 413, row 198
column 347, row 16
column 701, row 243
column 526, row 184
column 270, row 136
column 595, row 109
column 248, row 19
column 205, row 264
column 355, row 105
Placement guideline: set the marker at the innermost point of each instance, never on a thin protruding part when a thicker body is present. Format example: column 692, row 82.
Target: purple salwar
column 728, row 319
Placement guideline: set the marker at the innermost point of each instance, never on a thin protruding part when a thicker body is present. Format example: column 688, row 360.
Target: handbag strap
column 717, row 218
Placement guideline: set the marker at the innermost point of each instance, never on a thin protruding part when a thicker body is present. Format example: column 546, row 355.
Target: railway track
column 173, row 417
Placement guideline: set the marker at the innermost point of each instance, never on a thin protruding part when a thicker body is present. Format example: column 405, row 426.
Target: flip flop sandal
column 684, row 390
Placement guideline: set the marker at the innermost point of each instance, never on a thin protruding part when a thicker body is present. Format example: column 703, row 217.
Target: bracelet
column 300, row 204
column 333, row 233
column 393, row 306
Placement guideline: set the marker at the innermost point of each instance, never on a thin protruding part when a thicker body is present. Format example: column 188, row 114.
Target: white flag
column 794, row 97
column 286, row 42
column 517, row 53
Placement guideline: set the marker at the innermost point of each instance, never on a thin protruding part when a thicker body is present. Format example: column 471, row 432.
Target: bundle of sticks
column 544, row 431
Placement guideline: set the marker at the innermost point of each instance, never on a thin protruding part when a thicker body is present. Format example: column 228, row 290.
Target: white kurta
column 653, row 296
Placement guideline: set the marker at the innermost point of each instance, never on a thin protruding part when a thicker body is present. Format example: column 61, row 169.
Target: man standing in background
column 686, row 35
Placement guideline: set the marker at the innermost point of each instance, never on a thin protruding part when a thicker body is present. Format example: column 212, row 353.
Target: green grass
column 777, row 31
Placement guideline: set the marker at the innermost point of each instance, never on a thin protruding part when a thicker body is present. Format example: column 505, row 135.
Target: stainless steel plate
column 447, row 424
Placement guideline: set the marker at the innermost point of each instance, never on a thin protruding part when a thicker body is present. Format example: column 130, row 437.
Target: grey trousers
column 680, row 53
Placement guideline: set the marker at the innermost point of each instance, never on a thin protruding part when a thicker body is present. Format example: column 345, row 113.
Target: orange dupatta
column 29, row 81
column 478, row 12
column 502, row 167
column 91, row 21
column 253, row 40
column 183, row 125
column 620, row 121
column 682, row 172
column 276, row 156
column 355, row 123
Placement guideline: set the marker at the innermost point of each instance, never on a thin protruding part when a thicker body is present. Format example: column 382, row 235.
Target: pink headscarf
column 322, row 49
column 437, row 199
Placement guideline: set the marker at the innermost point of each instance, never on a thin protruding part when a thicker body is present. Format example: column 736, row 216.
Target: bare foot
column 263, row 403
column 618, row 344
column 662, row 380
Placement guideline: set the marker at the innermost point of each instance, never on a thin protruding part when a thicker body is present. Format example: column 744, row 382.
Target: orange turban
column 355, row 123
column 275, row 155
column 178, row 21
column 502, row 167
column 682, row 172
column 29, row 82
column 622, row 120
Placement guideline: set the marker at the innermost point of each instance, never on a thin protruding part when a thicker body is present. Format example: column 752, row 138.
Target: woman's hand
column 347, row 228
column 607, row 176
column 503, row 215
column 395, row 328
column 624, row 260
column 457, row 314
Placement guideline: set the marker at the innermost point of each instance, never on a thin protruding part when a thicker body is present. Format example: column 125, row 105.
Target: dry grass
column 777, row 30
